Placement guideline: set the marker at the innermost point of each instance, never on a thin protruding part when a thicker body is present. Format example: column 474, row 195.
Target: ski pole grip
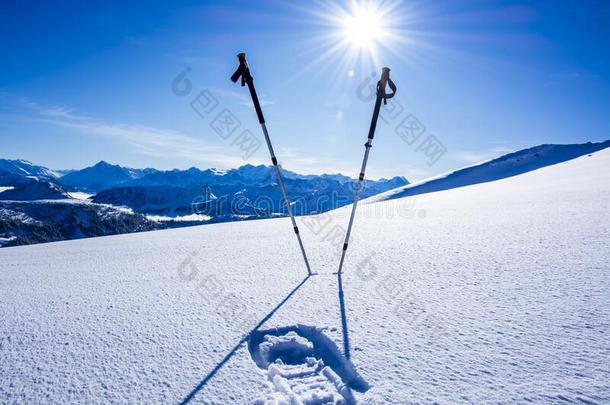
column 385, row 75
column 243, row 71
column 235, row 76
column 383, row 82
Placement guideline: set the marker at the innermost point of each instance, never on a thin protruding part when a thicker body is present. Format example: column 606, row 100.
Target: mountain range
column 101, row 176
column 151, row 198
column 38, row 204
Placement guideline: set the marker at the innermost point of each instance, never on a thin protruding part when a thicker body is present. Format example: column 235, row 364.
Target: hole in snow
column 289, row 348
column 302, row 345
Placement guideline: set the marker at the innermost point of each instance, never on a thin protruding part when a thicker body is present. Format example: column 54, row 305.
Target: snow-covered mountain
column 35, row 190
column 144, row 184
column 245, row 192
column 101, row 176
column 505, row 166
column 498, row 293
column 194, row 196
column 170, row 201
column 24, row 168
column 177, row 178
column 17, row 172
column 247, row 175
column 175, row 197
column 27, row 222
column 23, row 180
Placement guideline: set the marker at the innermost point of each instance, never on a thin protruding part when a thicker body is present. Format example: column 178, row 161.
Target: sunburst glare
column 355, row 35
column 363, row 27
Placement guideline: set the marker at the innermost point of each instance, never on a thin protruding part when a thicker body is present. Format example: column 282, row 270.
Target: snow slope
column 508, row 165
column 496, row 292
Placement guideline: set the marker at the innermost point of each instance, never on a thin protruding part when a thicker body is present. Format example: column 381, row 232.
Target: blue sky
column 81, row 83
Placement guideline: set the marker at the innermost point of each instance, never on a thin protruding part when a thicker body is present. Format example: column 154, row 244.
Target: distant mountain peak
column 105, row 164
column 101, row 176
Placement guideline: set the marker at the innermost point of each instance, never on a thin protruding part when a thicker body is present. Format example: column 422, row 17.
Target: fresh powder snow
column 496, row 292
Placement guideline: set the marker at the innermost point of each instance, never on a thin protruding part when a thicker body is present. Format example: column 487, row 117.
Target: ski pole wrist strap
column 382, row 83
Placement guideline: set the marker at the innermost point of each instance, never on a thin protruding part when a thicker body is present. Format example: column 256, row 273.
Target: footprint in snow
column 304, row 367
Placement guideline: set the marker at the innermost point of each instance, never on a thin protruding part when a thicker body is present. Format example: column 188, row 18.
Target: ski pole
column 243, row 71
column 381, row 95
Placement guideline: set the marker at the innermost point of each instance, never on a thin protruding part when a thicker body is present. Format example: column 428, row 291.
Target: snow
column 5, row 240
column 304, row 366
column 25, row 168
column 17, row 217
column 219, row 172
column 511, row 164
column 79, row 195
column 499, row 293
column 183, row 218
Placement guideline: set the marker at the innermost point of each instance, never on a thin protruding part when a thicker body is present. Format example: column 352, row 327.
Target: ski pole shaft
column 381, row 96
column 243, row 71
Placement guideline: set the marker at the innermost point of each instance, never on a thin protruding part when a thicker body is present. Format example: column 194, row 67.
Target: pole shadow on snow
column 212, row 373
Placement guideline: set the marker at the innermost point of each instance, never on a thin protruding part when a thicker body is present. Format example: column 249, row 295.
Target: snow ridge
column 508, row 165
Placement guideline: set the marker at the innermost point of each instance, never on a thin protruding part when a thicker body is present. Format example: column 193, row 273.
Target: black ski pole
column 243, row 71
column 381, row 96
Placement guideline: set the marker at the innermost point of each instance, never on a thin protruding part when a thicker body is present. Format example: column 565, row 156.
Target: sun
column 350, row 36
column 363, row 26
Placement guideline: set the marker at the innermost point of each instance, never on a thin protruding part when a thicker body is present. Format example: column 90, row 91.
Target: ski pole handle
column 383, row 82
column 243, row 71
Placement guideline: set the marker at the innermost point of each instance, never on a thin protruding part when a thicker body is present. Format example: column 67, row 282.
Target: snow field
column 500, row 293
